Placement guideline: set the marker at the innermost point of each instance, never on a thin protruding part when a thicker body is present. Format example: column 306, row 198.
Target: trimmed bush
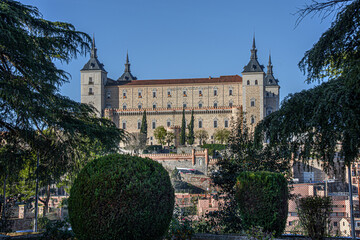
column 314, row 215
column 262, row 198
column 121, row 197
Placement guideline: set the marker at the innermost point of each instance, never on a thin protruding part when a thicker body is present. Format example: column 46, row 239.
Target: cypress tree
column 143, row 130
column 191, row 136
column 183, row 130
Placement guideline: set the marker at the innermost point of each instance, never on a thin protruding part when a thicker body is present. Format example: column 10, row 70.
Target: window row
column 169, row 105
column 249, row 82
column 168, row 123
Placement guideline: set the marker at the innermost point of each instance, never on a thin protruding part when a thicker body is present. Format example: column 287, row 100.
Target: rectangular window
column 184, row 105
column 169, row 93
column 226, row 123
column 124, row 94
column 230, row 92
column 169, row 105
column 215, row 124
column 230, row 104
column 252, row 103
column 215, row 92
column 154, row 94
column 200, row 124
column 200, row 93
column 91, row 91
column 154, row 105
column 184, row 92
column 168, row 123
column 335, row 224
column 215, row 105
column 91, row 80
column 200, row 105
column 124, row 125
column 139, row 95
column 153, row 125
column 139, row 125
column 108, row 94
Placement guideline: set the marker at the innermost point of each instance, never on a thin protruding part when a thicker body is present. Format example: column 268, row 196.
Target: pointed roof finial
column 270, row 66
column 254, row 46
column 127, row 64
column 127, row 76
column 253, row 50
column 93, row 48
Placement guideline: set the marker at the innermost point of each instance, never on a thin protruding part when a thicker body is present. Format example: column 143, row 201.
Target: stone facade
column 215, row 101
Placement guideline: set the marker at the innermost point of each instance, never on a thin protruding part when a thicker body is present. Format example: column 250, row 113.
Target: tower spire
column 270, row 66
column 253, row 50
column 127, row 64
column 93, row 48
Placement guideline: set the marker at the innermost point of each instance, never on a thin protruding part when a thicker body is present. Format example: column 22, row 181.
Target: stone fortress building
column 214, row 100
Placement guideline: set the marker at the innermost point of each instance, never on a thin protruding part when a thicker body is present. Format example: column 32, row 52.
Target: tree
column 202, row 135
column 30, row 103
column 221, row 135
column 336, row 55
column 183, row 129
column 160, row 134
column 169, row 138
column 191, row 136
column 242, row 155
column 143, row 130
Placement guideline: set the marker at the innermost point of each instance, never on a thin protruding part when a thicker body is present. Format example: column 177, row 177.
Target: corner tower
column 253, row 89
column 272, row 90
column 127, row 76
column 93, row 80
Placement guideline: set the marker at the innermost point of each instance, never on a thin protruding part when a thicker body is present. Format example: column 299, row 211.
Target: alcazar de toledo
column 215, row 100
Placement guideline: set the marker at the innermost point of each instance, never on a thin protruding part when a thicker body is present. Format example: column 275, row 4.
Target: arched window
column 230, row 92
column 168, row 105
column 184, row 105
column 139, row 124
column 215, row 105
column 153, row 124
column 139, row 106
column 169, row 93
column 200, row 105
column 154, row 105
column 124, row 124
column 168, row 123
column 248, row 82
column 256, row 82
column 252, row 121
column 215, row 92
column 230, row 104
column 124, row 106
column 200, row 123
column 200, row 93
column 124, row 93
column 154, row 93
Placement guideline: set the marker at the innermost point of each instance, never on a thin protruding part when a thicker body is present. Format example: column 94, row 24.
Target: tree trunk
column 46, row 200
column 4, row 204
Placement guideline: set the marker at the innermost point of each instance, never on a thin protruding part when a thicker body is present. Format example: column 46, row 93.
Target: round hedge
column 121, row 197
column 262, row 198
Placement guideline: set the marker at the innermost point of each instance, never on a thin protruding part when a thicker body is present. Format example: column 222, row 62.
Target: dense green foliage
column 337, row 53
column 262, row 199
column 242, row 154
column 160, row 134
column 121, row 197
column 314, row 215
column 222, row 136
column 143, row 131
column 214, row 147
column 183, row 129
column 191, row 134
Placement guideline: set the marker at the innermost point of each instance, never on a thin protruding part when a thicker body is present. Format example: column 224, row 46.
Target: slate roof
column 221, row 79
column 93, row 64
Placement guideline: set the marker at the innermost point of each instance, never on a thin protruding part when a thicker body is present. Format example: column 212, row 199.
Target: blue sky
column 188, row 38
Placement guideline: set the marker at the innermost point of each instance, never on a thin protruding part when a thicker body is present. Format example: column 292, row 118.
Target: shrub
column 214, row 147
column 314, row 215
column 121, row 197
column 262, row 198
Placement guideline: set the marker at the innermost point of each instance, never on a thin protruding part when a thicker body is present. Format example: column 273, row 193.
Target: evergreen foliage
column 262, row 198
column 314, row 215
column 183, row 130
column 143, row 130
column 121, row 197
column 242, row 155
column 202, row 135
column 191, row 135
column 222, row 135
